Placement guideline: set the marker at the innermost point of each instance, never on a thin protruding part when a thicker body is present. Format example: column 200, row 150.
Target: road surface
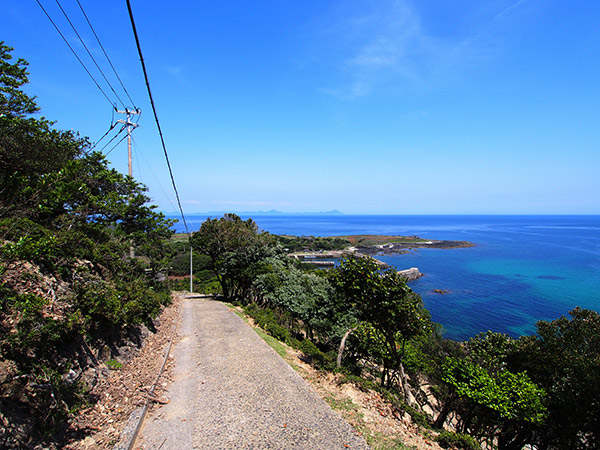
column 232, row 391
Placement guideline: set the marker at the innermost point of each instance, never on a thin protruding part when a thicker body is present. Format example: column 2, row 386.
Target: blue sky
column 398, row 107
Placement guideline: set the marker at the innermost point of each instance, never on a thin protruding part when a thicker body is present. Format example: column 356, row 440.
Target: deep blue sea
column 522, row 269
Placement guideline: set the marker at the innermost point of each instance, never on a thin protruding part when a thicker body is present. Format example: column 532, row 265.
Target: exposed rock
column 411, row 274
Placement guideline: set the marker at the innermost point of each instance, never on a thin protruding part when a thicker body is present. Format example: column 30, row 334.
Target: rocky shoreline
column 327, row 258
column 398, row 248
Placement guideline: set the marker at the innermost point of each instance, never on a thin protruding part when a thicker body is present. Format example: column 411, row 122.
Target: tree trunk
column 223, row 284
column 405, row 386
column 384, row 373
column 441, row 418
column 343, row 345
column 511, row 439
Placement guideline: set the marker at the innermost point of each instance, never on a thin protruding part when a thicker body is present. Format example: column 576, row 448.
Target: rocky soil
column 122, row 390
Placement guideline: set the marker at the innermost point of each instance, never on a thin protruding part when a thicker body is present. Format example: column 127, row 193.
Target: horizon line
column 340, row 213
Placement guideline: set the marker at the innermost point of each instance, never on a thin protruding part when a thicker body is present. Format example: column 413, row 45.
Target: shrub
column 113, row 364
column 277, row 331
column 461, row 441
column 312, row 354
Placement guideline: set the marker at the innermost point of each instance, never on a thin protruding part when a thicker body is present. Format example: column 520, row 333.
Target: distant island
column 390, row 245
column 367, row 244
column 272, row 212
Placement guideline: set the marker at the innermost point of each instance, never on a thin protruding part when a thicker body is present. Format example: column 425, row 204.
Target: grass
column 274, row 343
column 279, row 347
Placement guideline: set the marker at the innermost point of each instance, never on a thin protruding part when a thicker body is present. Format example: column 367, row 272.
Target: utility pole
column 130, row 127
column 191, row 270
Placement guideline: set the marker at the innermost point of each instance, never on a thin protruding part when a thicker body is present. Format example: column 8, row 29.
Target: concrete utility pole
column 191, row 270
column 130, row 127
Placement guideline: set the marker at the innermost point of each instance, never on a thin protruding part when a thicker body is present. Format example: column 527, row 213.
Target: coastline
column 375, row 245
column 505, row 283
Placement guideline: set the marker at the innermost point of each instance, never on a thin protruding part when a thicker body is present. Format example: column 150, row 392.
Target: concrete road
column 232, row 391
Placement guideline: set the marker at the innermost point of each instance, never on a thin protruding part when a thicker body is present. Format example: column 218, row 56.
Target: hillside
column 72, row 300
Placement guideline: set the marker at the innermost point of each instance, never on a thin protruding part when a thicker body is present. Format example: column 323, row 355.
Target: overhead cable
column 114, row 124
column 106, row 54
column 137, row 41
column 116, row 145
column 113, row 138
column 90, row 53
column 141, row 154
column 76, row 56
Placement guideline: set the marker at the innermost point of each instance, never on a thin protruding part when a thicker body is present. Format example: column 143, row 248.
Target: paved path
column 232, row 391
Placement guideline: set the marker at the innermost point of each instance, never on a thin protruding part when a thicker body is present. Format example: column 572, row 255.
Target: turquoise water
column 522, row 269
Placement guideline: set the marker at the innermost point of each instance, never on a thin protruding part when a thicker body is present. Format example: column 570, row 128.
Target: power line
column 112, row 126
column 137, row 41
column 114, row 137
column 116, row 145
column 106, row 54
column 139, row 152
column 75, row 53
column 89, row 53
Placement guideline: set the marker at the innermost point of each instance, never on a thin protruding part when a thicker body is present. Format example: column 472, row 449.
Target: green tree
column 30, row 149
column 13, row 101
column 67, row 218
column 564, row 358
column 492, row 351
column 501, row 407
column 235, row 248
column 385, row 301
column 308, row 297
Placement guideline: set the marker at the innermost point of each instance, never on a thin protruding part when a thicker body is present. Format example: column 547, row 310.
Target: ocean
column 522, row 269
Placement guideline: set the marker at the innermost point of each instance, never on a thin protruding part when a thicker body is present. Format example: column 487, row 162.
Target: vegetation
column 67, row 223
column 311, row 243
column 461, row 441
column 70, row 288
column 502, row 392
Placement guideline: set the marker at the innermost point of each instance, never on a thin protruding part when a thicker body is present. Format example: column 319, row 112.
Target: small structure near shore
column 411, row 274
column 330, row 257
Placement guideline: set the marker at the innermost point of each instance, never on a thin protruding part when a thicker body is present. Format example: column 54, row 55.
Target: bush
column 312, row 354
column 461, row 441
column 315, row 356
column 268, row 321
column 277, row 331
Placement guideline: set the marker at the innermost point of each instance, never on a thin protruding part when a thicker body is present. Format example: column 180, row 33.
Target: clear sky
column 399, row 107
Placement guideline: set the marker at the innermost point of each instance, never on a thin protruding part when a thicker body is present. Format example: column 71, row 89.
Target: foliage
column 236, row 249
column 564, row 359
column 385, row 301
column 269, row 321
column 180, row 263
column 461, row 441
column 491, row 350
column 502, row 405
column 312, row 243
column 511, row 395
column 67, row 222
column 113, row 364
column 13, row 101
column 308, row 297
